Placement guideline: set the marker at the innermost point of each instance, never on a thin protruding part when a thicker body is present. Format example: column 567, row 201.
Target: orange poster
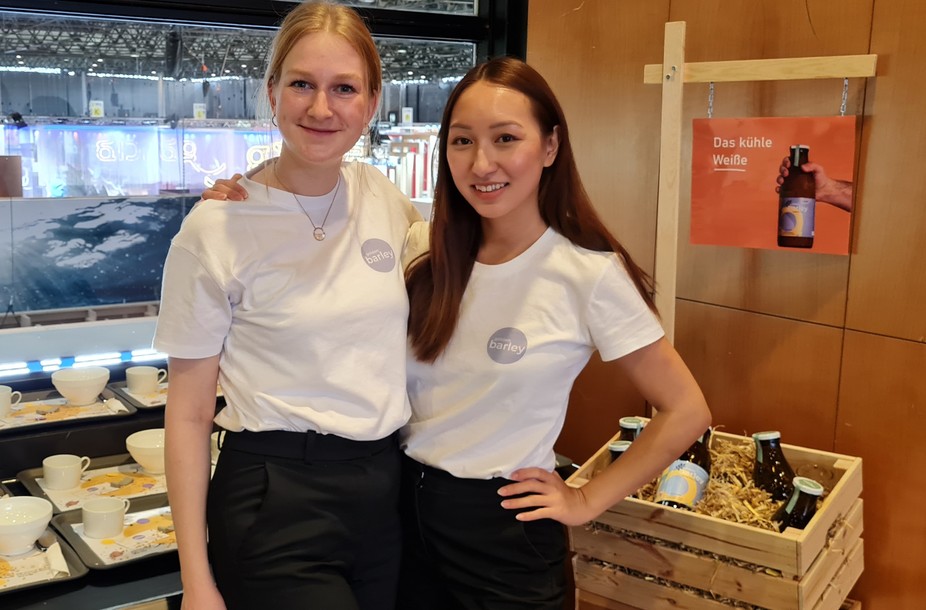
column 745, row 192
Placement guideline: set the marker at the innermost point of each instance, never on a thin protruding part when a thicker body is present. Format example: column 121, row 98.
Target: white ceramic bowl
column 81, row 386
column 22, row 521
column 147, row 448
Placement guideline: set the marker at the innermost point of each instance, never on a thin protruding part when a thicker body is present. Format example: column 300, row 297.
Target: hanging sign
column 776, row 183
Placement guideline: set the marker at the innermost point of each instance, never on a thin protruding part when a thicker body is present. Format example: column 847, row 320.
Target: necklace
column 318, row 231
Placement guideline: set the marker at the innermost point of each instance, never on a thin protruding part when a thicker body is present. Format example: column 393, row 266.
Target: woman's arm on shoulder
column 416, row 242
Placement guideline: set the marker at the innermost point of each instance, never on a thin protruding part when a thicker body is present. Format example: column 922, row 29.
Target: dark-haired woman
column 520, row 285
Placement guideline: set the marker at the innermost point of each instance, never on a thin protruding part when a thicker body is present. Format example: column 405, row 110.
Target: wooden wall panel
column 887, row 286
column 762, row 372
column 600, row 397
column 774, row 337
column 592, row 53
column 882, row 418
column 790, row 284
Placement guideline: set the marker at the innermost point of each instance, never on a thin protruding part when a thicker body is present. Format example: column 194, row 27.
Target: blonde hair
column 314, row 17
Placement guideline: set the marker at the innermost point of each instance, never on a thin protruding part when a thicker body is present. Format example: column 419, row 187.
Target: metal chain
column 710, row 101
column 845, row 96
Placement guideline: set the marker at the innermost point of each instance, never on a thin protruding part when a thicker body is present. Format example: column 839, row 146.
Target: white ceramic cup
column 144, row 379
column 8, row 398
column 104, row 517
column 62, row 471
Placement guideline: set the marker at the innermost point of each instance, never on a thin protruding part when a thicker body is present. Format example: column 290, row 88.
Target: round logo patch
column 378, row 255
column 507, row 345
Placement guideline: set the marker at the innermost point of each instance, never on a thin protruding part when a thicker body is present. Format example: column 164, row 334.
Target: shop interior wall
column 61, row 95
column 828, row 349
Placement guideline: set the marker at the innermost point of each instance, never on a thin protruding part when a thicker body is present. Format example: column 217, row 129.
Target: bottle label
column 789, row 508
column 682, row 482
column 796, row 217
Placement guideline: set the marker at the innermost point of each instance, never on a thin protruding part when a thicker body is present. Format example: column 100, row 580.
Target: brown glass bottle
column 797, row 202
column 630, row 428
column 617, row 448
column 771, row 470
column 800, row 509
column 683, row 483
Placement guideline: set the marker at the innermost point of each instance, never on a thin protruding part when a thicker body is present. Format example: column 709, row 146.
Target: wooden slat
column 670, row 153
column 790, row 68
column 684, row 567
column 842, row 583
column 832, row 559
column 596, row 584
column 586, row 600
column 637, row 592
column 726, row 579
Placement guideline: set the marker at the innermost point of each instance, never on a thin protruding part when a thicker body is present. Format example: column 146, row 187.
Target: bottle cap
column 808, row 486
column 633, row 423
column 618, row 445
column 768, row 435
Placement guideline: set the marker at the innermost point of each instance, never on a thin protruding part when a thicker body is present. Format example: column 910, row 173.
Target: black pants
column 462, row 550
column 305, row 521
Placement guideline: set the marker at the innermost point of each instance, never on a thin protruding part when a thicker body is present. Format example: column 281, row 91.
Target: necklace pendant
column 319, row 234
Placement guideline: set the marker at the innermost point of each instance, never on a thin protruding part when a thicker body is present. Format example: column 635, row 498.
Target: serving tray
column 150, row 400
column 117, row 475
column 35, row 568
column 148, row 531
column 47, row 408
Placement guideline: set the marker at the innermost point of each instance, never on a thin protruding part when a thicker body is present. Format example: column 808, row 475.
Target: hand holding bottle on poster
column 837, row 193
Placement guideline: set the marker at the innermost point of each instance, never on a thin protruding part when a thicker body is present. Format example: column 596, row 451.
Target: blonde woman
column 295, row 302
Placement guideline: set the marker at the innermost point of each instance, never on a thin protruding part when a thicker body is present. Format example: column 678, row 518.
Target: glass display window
column 118, row 122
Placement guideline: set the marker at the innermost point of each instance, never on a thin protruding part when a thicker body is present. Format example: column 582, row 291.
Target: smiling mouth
column 489, row 188
column 319, row 129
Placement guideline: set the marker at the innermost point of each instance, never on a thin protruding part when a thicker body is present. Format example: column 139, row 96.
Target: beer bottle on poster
column 617, row 448
column 683, row 483
column 800, row 509
column 797, row 202
column 771, row 470
column 630, row 428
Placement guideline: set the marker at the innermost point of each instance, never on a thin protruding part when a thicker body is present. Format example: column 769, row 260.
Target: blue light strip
column 9, row 371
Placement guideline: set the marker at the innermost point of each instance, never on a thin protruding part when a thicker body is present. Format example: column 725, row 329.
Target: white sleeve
column 195, row 312
column 416, row 243
column 618, row 318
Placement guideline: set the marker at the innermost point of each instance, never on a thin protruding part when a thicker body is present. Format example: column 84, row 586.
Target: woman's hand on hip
column 548, row 495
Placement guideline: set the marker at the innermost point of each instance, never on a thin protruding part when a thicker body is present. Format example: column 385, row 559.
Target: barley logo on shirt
column 507, row 345
column 378, row 255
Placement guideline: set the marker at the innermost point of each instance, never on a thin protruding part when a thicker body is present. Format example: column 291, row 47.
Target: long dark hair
column 436, row 280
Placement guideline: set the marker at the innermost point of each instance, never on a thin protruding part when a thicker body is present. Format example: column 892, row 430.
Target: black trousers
column 462, row 550
column 305, row 521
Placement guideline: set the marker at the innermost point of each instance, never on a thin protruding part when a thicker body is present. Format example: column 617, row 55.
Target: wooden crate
column 590, row 601
column 699, row 562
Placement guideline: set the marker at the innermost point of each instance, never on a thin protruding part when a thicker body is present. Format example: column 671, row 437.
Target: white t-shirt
column 496, row 399
column 312, row 334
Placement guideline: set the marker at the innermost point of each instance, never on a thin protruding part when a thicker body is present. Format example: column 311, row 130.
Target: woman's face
column 321, row 100
column 496, row 152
